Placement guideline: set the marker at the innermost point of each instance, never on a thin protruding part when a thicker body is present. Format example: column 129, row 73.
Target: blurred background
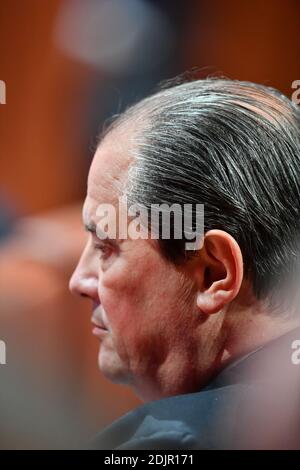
column 68, row 66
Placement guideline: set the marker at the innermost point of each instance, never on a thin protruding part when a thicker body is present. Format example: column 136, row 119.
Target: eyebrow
column 92, row 228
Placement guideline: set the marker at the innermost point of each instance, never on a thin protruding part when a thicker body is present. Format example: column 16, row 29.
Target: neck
column 221, row 339
column 248, row 328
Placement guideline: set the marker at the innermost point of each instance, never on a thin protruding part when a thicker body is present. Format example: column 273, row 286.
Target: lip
column 99, row 331
column 99, row 328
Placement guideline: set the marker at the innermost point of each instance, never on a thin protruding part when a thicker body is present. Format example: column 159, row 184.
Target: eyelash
column 103, row 249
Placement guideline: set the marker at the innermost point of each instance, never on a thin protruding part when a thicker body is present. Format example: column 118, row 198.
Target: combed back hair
column 235, row 147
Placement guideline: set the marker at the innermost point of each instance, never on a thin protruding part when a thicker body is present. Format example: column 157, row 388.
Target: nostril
column 83, row 295
column 84, row 286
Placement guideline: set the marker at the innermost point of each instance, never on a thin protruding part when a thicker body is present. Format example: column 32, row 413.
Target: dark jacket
column 254, row 403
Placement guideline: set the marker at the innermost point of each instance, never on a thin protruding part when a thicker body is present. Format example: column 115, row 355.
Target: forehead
column 108, row 170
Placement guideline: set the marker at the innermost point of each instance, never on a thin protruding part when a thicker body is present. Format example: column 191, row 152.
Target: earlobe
column 207, row 304
column 222, row 268
column 212, row 301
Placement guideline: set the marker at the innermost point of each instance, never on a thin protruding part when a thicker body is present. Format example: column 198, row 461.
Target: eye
column 105, row 250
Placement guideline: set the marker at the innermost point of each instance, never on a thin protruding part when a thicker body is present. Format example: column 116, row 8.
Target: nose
column 86, row 286
column 84, row 280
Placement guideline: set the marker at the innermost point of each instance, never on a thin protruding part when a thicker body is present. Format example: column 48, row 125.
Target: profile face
column 146, row 331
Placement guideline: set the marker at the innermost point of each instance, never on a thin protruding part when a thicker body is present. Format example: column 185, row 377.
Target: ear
column 218, row 270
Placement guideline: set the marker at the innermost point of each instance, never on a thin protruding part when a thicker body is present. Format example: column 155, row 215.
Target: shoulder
column 193, row 421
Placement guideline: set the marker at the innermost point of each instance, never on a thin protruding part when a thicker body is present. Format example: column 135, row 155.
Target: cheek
column 127, row 292
column 118, row 306
column 137, row 301
column 120, row 294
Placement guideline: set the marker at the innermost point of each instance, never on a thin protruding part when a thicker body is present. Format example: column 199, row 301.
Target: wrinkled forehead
column 108, row 171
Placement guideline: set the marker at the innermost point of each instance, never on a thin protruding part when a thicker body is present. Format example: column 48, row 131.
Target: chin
column 112, row 368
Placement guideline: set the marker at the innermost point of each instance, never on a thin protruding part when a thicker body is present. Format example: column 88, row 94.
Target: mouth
column 99, row 328
column 99, row 331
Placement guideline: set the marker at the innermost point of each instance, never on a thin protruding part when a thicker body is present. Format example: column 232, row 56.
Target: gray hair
column 234, row 147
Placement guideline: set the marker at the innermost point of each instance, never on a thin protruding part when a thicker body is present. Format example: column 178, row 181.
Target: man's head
column 172, row 318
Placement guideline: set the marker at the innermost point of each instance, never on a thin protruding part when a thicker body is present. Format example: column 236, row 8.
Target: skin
column 169, row 330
